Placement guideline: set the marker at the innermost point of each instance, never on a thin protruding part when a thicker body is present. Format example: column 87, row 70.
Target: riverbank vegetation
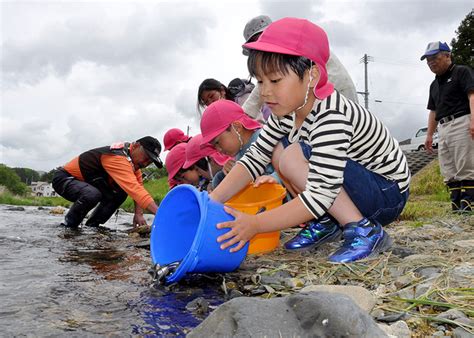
column 428, row 195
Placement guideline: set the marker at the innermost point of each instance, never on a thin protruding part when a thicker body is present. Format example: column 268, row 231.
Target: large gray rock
column 358, row 294
column 315, row 314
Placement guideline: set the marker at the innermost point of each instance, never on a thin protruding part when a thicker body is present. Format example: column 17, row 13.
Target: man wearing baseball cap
column 451, row 102
column 105, row 176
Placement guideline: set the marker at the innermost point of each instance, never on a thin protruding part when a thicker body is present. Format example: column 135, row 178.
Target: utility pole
column 365, row 59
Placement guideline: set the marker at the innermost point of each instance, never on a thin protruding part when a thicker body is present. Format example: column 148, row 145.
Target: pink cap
column 195, row 150
column 219, row 115
column 299, row 37
column 175, row 159
column 172, row 183
column 173, row 137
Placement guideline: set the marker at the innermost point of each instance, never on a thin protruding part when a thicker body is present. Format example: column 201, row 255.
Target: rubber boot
column 455, row 195
column 76, row 214
column 467, row 196
column 106, row 209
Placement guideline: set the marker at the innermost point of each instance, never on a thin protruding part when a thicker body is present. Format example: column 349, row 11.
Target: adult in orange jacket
column 105, row 176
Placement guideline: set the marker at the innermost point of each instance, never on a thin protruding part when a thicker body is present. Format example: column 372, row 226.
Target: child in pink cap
column 187, row 163
column 173, row 137
column 347, row 174
column 230, row 131
column 203, row 162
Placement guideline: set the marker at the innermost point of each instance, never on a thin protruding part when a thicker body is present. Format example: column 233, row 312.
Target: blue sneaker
column 315, row 234
column 361, row 242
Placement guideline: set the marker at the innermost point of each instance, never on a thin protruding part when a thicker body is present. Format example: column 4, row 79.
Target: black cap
column 153, row 148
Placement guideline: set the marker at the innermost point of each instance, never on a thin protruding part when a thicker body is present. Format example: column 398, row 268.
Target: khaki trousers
column 456, row 150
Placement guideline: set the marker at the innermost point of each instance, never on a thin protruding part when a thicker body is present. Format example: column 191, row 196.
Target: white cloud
column 85, row 74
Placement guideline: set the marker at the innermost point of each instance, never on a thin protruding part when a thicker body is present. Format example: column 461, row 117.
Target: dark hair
column 202, row 163
column 275, row 62
column 212, row 84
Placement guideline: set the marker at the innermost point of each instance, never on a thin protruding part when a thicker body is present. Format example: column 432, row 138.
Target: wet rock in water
column 362, row 297
column 142, row 245
column 15, row 209
column 399, row 329
column 198, row 306
column 57, row 211
column 318, row 314
column 42, row 208
column 235, row 294
column 141, row 230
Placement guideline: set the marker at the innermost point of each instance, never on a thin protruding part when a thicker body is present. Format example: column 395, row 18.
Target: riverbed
column 55, row 281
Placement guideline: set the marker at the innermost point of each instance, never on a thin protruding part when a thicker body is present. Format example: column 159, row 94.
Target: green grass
column 428, row 196
column 157, row 189
column 9, row 198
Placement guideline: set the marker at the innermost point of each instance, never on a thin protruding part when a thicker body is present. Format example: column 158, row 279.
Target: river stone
column 467, row 244
column 15, row 209
column 362, row 297
column 420, row 257
column 398, row 329
column 459, row 332
column 315, row 314
column 462, row 274
column 452, row 314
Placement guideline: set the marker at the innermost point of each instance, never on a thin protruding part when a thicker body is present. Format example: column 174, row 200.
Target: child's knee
column 292, row 161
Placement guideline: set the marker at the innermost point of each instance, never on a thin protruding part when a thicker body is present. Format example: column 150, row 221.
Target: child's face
column 227, row 142
column 283, row 93
column 190, row 176
column 210, row 96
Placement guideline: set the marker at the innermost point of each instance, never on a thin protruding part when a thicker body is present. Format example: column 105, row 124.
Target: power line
column 398, row 63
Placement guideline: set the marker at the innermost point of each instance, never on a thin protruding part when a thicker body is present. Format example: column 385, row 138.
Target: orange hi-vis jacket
column 110, row 165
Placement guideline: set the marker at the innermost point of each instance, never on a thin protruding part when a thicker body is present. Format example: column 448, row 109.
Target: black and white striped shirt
column 337, row 129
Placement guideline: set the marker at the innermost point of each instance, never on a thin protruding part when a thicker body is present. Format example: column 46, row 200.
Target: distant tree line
column 10, row 179
column 28, row 175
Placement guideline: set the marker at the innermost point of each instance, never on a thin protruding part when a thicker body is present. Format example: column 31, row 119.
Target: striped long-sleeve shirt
column 337, row 129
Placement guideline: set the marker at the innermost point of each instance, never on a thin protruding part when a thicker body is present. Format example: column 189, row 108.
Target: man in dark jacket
column 106, row 175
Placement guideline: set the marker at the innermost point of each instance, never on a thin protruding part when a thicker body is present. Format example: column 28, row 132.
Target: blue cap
column 434, row 48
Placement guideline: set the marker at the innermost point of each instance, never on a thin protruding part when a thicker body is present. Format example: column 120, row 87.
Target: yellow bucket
column 253, row 200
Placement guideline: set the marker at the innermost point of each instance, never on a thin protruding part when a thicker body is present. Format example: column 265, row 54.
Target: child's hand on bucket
column 242, row 229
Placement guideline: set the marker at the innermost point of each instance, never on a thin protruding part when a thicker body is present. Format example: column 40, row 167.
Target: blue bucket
column 184, row 229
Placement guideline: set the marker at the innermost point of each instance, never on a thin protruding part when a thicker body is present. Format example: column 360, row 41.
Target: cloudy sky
column 77, row 75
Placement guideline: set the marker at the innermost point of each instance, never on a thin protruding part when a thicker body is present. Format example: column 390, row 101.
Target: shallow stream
column 88, row 281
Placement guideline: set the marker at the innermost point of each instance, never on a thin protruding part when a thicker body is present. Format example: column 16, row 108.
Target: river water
column 56, row 281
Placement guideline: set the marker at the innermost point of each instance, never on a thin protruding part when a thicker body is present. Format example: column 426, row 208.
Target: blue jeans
column 377, row 198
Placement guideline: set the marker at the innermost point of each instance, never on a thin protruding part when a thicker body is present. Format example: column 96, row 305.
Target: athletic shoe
column 361, row 241
column 315, row 234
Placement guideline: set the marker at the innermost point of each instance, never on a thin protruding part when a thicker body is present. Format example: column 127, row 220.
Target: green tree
column 11, row 180
column 27, row 175
column 463, row 44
